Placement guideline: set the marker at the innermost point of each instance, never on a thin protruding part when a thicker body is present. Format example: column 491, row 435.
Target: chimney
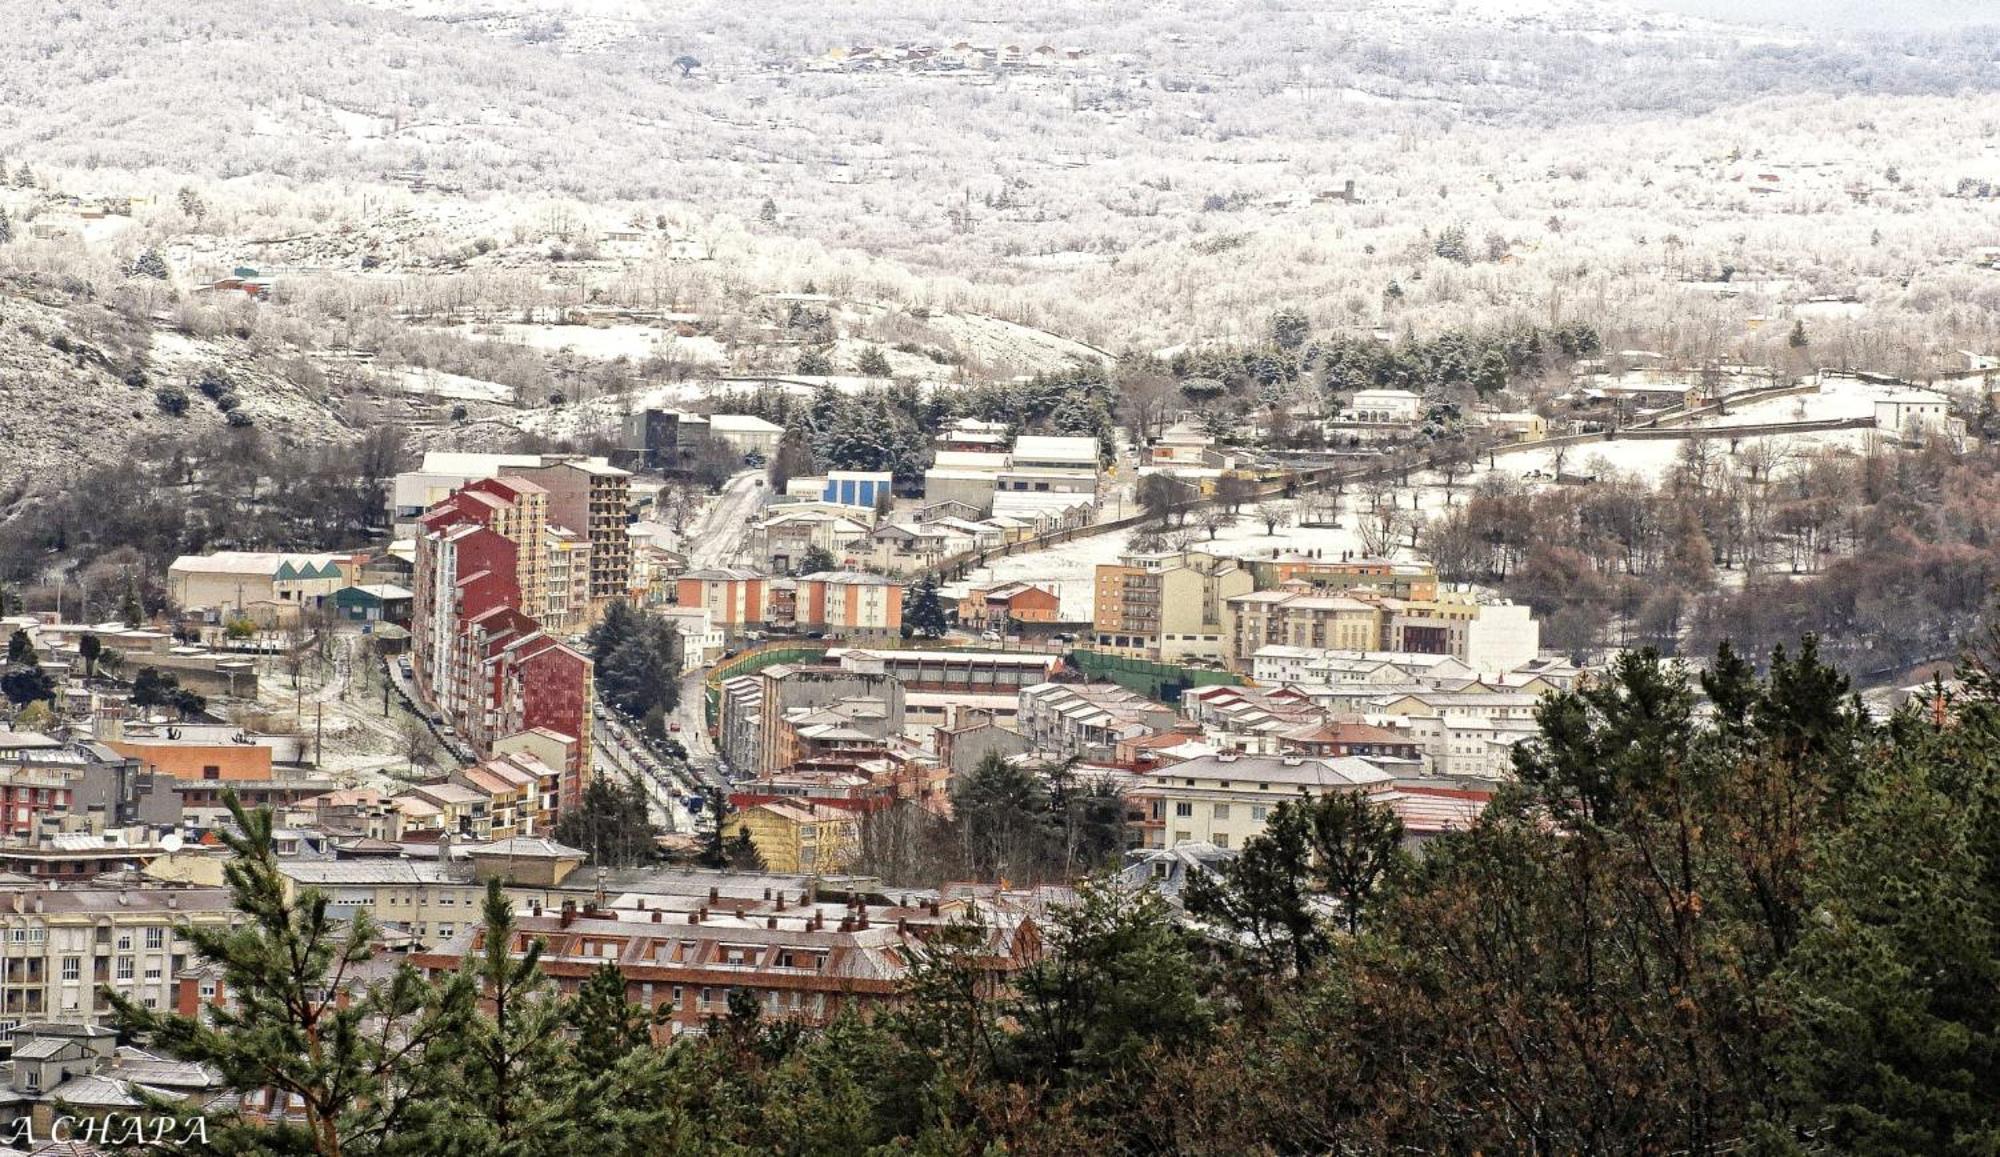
column 847, row 923
column 862, row 920
column 642, row 905
column 770, row 921
column 934, row 907
column 767, row 893
column 694, row 917
column 656, row 917
column 781, row 901
column 902, row 926
column 714, row 894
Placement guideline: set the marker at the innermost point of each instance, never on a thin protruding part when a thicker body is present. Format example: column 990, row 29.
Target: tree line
column 1887, row 556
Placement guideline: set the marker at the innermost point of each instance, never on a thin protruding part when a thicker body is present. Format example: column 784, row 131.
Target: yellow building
column 793, row 837
column 1167, row 607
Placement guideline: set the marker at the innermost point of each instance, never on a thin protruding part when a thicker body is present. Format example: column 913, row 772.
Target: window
column 20, row 936
column 125, row 942
column 153, row 973
column 1182, row 837
column 211, row 771
column 124, row 968
column 1258, row 811
column 156, row 937
column 72, row 968
column 1184, row 810
column 1222, row 839
column 1222, row 811
column 208, row 990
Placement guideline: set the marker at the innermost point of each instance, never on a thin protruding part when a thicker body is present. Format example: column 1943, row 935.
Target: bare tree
column 1274, row 514
column 415, row 743
column 1214, row 519
column 1233, row 490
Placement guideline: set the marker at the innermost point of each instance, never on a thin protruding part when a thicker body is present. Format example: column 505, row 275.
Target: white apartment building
column 1226, row 799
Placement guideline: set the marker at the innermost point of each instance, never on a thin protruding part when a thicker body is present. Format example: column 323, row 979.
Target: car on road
column 674, row 725
column 990, row 636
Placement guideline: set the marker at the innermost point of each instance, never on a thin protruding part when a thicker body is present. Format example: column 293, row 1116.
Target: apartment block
column 478, row 654
column 849, row 604
column 595, row 500
column 1167, row 607
column 735, row 598
column 67, row 944
column 1227, row 798
column 1087, row 719
column 682, row 957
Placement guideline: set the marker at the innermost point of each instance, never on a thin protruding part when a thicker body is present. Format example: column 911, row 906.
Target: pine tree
column 6, row 228
column 20, row 648
column 497, row 1086
column 150, row 264
column 297, row 1019
column 611, row 822
column 873, row 363
column 925, row 612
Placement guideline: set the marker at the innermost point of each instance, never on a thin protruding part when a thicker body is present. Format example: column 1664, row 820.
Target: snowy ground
column 1838, row 399
column 635, row 342
column 455, row 387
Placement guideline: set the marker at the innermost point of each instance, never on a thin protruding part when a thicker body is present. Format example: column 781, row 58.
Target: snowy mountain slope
column 81, row 382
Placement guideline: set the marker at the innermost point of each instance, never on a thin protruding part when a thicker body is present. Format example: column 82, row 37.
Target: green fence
column 1163, row 682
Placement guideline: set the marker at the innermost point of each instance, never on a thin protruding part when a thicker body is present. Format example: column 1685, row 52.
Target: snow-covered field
column 636, row 342
column 1838, row 399
column 457, row 387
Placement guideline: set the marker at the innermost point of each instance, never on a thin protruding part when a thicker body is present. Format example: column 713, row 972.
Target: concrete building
column 1019, row 602
column 968, row 477
column 1403, row 580
column 702, row 641
column 1913, row 413
column 595, row 500
column 782, row 538
column 442, row 472
column 862, row 488
column 1488, row 637
column 745, row 434
column 1384, row 406
column 68, row 943
column 483, row 661
column 1087, row 719
column 1226, row 799
column 566, row 602
column 849, row 605
column 798, row 837
column 797, row 958
column 734, row 598
column 1167, row 607
column 268, row 587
